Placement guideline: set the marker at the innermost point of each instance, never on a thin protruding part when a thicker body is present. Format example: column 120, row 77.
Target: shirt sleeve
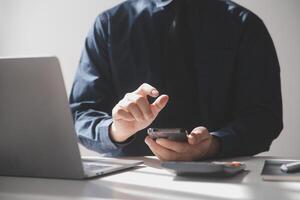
column 257, row 115
column 92, row 96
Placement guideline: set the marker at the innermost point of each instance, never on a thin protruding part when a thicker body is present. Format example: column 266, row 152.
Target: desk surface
column 153, row 183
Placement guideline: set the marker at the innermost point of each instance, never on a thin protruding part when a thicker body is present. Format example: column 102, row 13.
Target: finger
column 197, row 138
column 159, row 104
column 124, row 115
column 161, row 152
column 192, row 139
column 199, row 129
column 198, row 135
column 142, row 103
column 146, row 89
column 179, row 147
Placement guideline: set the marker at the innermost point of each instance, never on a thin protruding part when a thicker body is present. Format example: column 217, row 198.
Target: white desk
column 152, row 183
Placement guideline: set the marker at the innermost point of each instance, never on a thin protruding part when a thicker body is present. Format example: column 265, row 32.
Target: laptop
column 37, row 137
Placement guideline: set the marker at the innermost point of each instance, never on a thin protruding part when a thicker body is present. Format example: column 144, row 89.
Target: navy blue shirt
column 215, row 59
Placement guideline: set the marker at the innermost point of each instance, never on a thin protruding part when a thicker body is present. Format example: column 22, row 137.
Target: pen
column 290, row 167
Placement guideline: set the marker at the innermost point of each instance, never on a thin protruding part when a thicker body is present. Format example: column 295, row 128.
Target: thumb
column 198, row 135
column 159, row 104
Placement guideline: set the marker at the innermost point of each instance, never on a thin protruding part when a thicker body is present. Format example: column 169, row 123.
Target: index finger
column 146, row 89
column 179, row 147
column 161, row 152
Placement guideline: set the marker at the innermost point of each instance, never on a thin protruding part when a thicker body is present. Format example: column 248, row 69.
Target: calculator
column 207, row 169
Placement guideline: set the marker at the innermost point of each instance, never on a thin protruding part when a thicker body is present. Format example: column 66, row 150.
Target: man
column 214, row 60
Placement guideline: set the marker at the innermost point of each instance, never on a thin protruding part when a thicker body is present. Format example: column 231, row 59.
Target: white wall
column 58, row 27
column 48, row 27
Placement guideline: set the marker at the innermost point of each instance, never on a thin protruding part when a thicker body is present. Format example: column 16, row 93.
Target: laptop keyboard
column 94, row 167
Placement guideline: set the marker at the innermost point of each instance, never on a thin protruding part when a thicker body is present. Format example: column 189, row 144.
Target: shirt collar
column 162, row 3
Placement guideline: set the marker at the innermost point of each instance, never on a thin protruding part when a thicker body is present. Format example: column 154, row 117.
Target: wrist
column 116, row 135
column 113, row 134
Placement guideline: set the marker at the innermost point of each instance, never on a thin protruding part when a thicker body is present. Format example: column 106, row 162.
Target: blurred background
column 59, row 27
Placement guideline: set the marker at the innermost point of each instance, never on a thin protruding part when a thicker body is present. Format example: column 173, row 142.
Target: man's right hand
column 134, row 112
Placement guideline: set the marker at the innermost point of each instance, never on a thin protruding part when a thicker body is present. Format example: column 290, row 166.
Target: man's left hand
column 200, row 145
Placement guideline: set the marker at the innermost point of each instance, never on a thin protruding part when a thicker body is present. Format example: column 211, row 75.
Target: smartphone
column 175, row 134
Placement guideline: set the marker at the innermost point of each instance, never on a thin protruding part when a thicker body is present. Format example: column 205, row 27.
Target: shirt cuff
column 104, row 136
column 228, row 142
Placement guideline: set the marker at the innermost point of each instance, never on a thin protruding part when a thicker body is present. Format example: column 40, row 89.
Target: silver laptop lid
column 37, row 136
